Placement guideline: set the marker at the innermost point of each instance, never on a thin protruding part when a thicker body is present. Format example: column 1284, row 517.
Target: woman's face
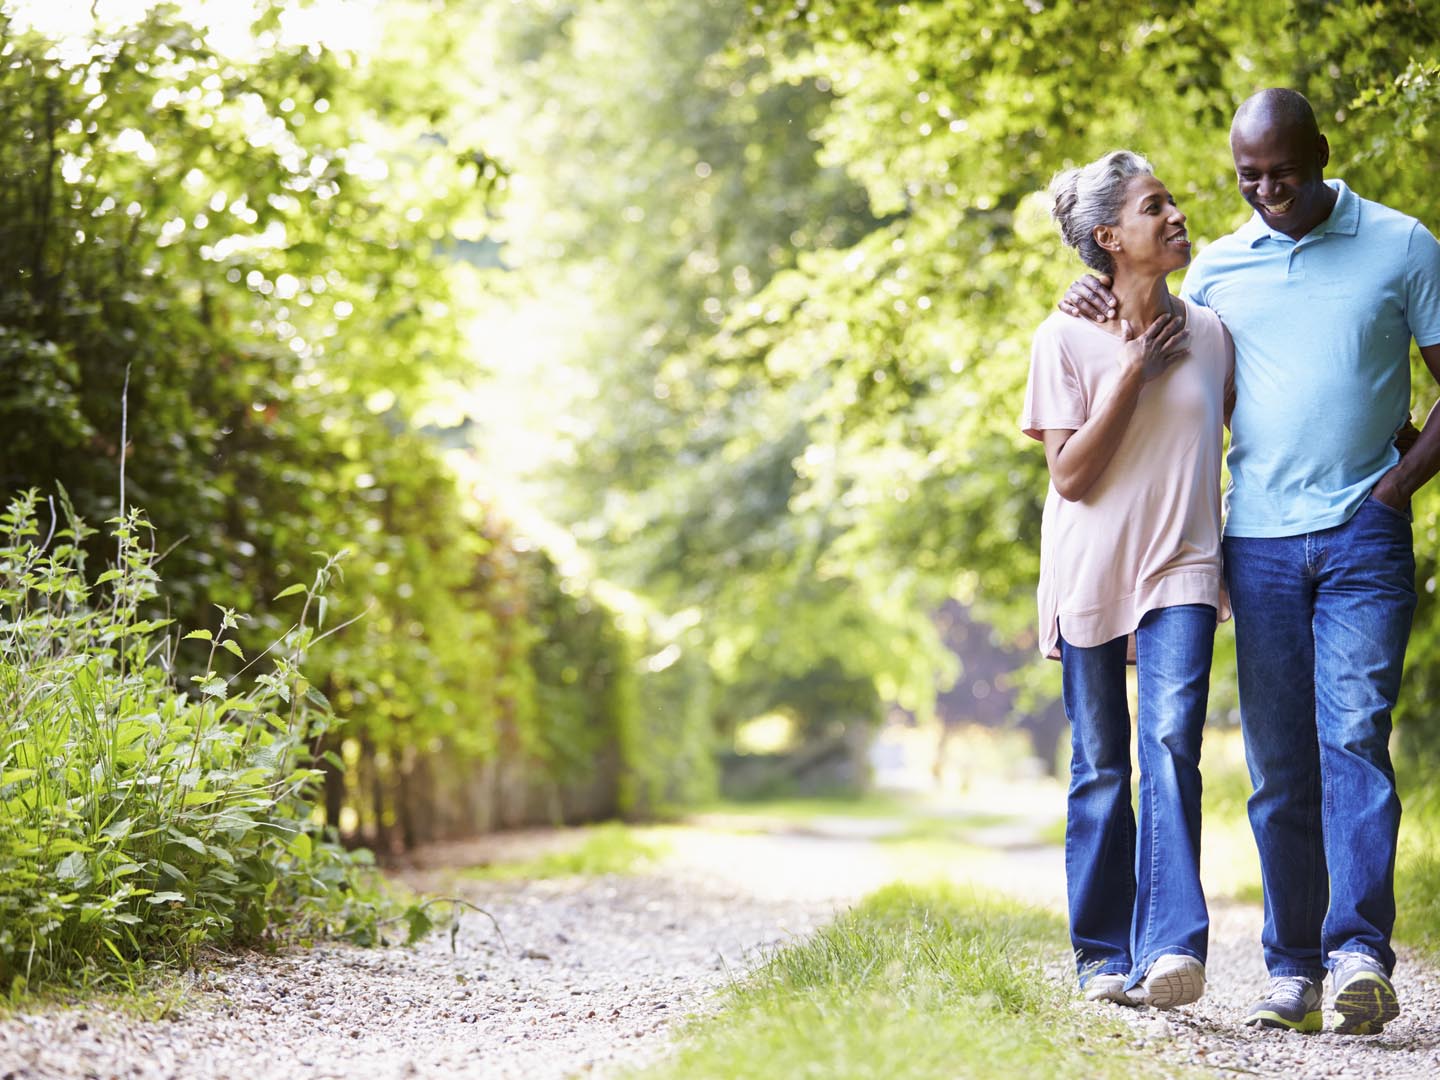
column 1150, row 235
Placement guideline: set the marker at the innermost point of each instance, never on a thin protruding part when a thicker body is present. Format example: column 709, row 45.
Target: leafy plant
column 141, row 818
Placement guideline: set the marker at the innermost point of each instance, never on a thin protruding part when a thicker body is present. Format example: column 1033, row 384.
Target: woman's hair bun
column 1083, row 199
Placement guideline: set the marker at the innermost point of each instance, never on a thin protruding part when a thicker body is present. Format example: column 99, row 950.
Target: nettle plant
column 144, row 814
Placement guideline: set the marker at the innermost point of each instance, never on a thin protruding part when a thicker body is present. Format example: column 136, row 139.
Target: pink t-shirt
column 1147, row 534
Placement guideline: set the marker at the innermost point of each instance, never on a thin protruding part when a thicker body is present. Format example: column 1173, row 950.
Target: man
column 1322, row 291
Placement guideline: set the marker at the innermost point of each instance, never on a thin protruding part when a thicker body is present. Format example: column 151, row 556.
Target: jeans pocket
column 1404, row 515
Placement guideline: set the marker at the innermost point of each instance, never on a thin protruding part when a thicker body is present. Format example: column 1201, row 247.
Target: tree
column 247, row 266
column 666, row 174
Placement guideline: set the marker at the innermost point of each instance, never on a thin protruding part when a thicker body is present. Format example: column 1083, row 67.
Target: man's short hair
column 1279, row 107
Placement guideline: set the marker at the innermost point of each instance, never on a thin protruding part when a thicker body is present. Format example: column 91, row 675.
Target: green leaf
column 65, row 845
column 194, row 844
column 74, row 869
column 289, row 590
column 166, row 897
column 417, row 923
column 231, row 647
column 117, row 830
column 200, row 635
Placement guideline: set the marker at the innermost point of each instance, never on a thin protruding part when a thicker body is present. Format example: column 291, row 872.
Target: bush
column 140, row 820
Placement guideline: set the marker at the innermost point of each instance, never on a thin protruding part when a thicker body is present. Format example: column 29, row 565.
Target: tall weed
column 143, row 815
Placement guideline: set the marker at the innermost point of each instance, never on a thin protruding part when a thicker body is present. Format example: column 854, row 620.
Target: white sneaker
column 1174, row 979
column 1110, row 987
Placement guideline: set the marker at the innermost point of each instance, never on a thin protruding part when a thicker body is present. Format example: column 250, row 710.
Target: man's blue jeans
column 1135, row 895
column 1321, row 624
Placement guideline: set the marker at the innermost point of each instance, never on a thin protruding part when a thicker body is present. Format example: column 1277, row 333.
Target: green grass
column 147, row 993
column 946, row 829
column 916, row 817
column 1054, row 833
column 800, row 809
column 914, row 983
column 611, row 848
column 1417, row 870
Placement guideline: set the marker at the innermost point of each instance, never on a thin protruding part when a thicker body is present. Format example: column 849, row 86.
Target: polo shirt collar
column 1344, row 219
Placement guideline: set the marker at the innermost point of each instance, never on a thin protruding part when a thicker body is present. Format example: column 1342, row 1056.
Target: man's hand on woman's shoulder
column 1090, row 298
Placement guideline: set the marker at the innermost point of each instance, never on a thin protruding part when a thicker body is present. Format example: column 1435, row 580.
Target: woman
column 1130, row 413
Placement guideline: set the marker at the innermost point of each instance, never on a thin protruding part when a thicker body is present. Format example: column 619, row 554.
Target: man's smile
column 1276, row 209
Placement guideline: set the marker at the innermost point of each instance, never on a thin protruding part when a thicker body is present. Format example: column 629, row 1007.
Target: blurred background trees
column 657, row 363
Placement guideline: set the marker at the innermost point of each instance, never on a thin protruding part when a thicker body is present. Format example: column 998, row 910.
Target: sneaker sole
column 1182, row 985
column 1366, row 1004
column 1266, row 1018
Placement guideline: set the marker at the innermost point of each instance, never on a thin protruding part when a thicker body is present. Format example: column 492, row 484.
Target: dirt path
column 598, row 971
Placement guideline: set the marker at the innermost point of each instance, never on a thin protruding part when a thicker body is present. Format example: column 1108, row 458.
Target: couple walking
column 1295, row 331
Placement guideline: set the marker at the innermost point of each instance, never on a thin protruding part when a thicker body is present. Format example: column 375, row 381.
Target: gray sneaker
column 1364, row 997
column 1292, row 1001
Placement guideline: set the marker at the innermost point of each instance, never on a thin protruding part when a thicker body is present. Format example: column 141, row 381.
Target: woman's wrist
column 1132, row 370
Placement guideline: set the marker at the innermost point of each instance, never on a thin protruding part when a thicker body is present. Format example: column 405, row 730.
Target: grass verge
column 914, row 983
column 611, row 848
column 802, row 809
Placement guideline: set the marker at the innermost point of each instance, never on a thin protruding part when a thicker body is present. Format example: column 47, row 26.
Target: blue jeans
column 1135, row 895
column 1321, row 624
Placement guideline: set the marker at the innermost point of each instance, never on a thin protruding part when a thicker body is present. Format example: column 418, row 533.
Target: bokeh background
column 655, row 363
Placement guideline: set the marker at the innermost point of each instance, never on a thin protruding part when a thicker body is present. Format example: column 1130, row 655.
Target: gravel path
column 598, row 972
column 1207, row 1034
column 595, row 973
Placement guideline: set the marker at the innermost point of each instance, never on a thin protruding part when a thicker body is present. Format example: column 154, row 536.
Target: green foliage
column 268, row 246
column 877, row 366
column 667, row 713
column 1417, row 867
column 681, row 465
column 141, row 819
column 804, row 338
column 913, row 983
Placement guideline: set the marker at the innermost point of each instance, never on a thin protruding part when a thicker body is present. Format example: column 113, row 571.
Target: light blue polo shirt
column 1322, row 330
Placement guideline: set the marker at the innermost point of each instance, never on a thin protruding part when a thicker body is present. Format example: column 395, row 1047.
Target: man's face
column 1281, row 173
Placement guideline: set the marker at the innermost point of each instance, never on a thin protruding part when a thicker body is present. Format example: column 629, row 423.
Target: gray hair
column 1090, row 196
